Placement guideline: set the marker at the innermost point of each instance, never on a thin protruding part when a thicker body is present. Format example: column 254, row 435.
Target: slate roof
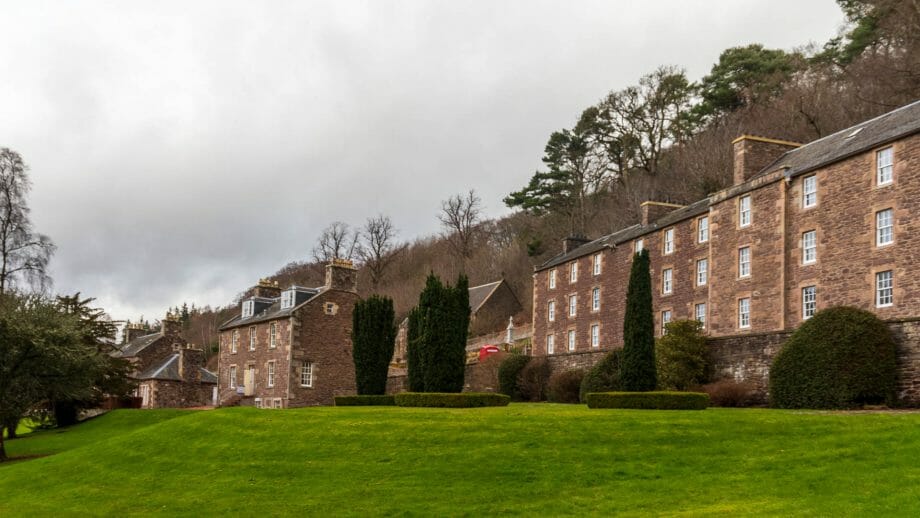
column 134, row 347
column 480, row 294
column 272, row 312
column 168, row 370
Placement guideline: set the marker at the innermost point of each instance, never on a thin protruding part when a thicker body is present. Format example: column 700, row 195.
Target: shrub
column 451, row 400
column 373, row 336
column 563, row 387
column 508, row 374
column 375, row 400
column 682, row 356
column 649, row 400
column 731, row 393
column 604, row 376
column 533, row 379
column 637, row 371
column 842, row 357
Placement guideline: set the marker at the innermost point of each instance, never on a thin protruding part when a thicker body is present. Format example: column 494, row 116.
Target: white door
column 249, row 380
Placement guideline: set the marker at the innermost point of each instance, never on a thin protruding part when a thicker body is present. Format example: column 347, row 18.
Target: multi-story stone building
column 802, row 228
column 293, row 347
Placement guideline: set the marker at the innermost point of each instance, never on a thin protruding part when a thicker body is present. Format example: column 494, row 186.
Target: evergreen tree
column 413, row 358
column 458, row 316
column 437, row 337
column 373, row 338
column 637, row 373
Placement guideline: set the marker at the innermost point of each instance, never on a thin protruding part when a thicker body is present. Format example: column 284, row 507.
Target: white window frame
column 702, row 271
column 884, row 289
column 272, row 332
column 744, row 313
column 884, row 174
column 667, row 281
column 287, row 299
column 573, row 305
column 699, row 312
column 597, row 264
column 551, row 311
column 595, row 336
column 810, row 191
column 232, row 376
column 745, row 216
column 551, row 344
column 884, row 227
column 596, row 299
column 570, row 340
column 252, row 338
column 702, row 229
column 306, row 374
column 665, row 320
column 234, row 340
column 809, row 247
column 270, row 374
column 573, row 273
column 668, row 241
column 744, row 262
column 248, row 308
column 552, row 279
column 276, row 403
column 640, row 245
column 809, row 302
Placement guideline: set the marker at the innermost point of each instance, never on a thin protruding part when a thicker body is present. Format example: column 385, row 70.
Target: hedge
column 508, row 374
column 649, row 400
column 451, row 400
column 603, row 377
column 375, row 400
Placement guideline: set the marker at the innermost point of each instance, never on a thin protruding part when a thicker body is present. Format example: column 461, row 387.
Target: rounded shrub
column 842, row 357
column 508, row 374
column 649, row 400
column 682, row 356
column 603, row 377
column 533, row 380
column 451, row 399
column 564, row 386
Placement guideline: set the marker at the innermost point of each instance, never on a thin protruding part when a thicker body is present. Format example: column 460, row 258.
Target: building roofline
column 768, row 140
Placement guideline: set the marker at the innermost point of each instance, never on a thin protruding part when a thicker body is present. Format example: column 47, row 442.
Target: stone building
column 802, row 228
column 293, row 347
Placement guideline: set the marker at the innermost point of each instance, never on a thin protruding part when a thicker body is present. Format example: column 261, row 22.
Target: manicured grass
column 535, row 459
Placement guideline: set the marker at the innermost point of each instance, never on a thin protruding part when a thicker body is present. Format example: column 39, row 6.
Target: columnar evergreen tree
column 454, row 359
column 373, row 337
column 413, row 358
column 637, row 373
column 437, row 337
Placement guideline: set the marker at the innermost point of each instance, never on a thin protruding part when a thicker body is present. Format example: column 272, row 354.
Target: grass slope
column 527, row 459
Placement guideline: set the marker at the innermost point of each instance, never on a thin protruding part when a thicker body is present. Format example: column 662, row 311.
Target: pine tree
column 373, row 338
column 637, row 373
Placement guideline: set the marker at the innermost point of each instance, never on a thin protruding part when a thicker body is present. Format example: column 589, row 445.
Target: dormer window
column 248, row 308
column 287, row 299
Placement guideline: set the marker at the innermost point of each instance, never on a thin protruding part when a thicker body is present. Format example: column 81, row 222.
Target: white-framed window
column 665, row 320
column 668, row 241
column 252, row 338
column 810, row 191
column 573, row 305
column 551, row 311
column 248, row 308
column 595, row 336
column 884, row 159
column 306, row 374
column 273, row 332
column 234, row 340
column 809, row 302
column 884, row 289
column 702, row 272
column 233, row 376
column 287, row 299
column 571, row 340
column 699, row 312
column 573, row 272
column 640, row 245
column 276, row 403
column 809, row 247
column 258, row 402
column 270, row 382
column 744, row 313
column 884, row 227
column 552, row 279
column 550, row 344
column 744, row 211
column 597, row 264
column 666, row 280
column 595, row 299
column 744, row 261
column 702, row 229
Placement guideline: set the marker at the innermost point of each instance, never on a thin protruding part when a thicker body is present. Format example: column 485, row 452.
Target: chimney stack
column 190, row 363
column 652, row 211
column 267, row 289
column 342, row 275
column 574, row 241
column 753, row 153
column 171, row 326
column 133, row 331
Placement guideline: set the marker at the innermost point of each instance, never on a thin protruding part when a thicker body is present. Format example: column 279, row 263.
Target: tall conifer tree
column 373, row 339
column 638, row 373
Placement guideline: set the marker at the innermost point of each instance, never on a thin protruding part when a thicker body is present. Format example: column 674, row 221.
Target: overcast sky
column 181, row 150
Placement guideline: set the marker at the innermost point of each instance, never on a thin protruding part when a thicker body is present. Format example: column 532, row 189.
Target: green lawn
column 522, row 459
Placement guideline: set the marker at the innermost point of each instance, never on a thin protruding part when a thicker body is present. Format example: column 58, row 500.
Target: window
column 884, row 227
column 551, row 311
column 287, row 299
column 258, row 402
column 273, row 331
column 884, row 289
column 885, row 163
column 699, row 312
column 666, row 276
column 233, row 376
column 640, row 245
column 744, row 261
column 552, row 279
column 668, row 241
column 276, row 403
column 744, row 211
column 809, row 247
column 744, row 313
column 595, row 336
column 248, row 308
column 702, row 229
column 665, row 320
column 809, row 302
column 702, row 272
column 252, row 338
column 271, row 374
column 597, row 264
column 234, row 340
column 550, row 344
column 810, row 191
column 573, row 272
column 573, row 304
column 571, row 340
column 306, row 374
column 596, row 299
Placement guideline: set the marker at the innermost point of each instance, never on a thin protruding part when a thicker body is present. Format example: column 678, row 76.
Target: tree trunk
column 11, row 427
column 3, row 456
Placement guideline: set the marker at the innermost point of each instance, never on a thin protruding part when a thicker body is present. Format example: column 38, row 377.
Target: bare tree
column 24, row 254
column 338, row 241
column 461, row 216
column 378, row 248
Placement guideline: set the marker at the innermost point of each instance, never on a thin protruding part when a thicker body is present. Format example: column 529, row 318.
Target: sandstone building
column 802, row 228
column 293, row 347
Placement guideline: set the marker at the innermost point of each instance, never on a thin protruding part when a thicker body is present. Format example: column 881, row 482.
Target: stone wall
column 178, row 394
